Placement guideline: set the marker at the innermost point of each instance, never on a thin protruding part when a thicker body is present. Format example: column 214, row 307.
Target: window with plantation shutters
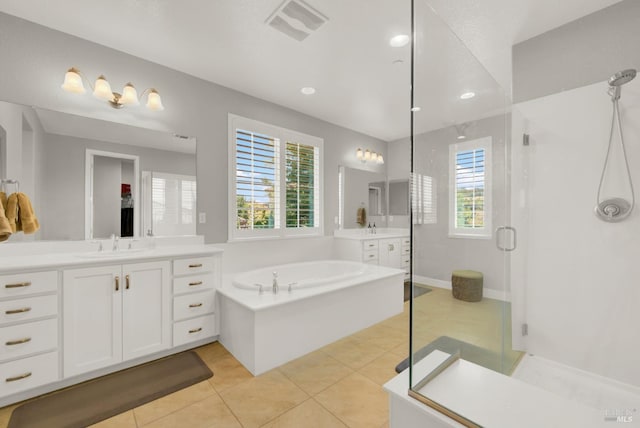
column 301, row 166
column 470, row 187
column 275, row 176
column 256, row 179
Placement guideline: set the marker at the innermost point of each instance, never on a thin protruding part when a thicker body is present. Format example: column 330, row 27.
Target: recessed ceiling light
column 308, row 90
column 467, row 95
column 415, row 109
column 399, row 41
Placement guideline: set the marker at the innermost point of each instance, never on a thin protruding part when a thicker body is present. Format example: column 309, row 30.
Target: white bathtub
column 328, row 300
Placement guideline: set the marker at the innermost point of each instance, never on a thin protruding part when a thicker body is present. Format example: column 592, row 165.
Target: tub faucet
column 275, row 282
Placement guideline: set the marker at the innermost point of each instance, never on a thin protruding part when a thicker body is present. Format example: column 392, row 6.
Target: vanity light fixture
column 73, row 83
column 369, row 156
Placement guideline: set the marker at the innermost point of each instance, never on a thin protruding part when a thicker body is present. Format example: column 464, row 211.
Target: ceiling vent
column 296, row 19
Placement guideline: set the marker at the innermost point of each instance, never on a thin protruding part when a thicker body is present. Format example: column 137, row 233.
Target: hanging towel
column 12, row 213
column 5, row 227
column 361, row 217
column 27, row 218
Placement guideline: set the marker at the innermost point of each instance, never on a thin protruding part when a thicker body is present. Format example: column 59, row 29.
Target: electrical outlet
column 202, row 218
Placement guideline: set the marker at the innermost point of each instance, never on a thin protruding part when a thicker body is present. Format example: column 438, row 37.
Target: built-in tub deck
column 328, row 301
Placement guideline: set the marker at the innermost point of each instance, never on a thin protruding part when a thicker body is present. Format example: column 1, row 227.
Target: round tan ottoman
column 466, row 285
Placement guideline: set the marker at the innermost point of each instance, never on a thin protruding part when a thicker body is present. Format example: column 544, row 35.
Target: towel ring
column 8, row 181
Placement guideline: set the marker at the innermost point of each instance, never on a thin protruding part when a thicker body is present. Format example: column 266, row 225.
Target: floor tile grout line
column 191, row 403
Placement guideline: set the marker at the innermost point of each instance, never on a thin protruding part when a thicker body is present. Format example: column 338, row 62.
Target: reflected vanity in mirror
column 362, row 189
column 129, row 181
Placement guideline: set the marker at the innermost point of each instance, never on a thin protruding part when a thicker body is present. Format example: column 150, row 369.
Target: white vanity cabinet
column 115, row 313
column 28, row 331
column 194, row 291
column 390, row 250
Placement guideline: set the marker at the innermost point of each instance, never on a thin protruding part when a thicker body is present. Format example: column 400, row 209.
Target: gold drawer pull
column 196, row 265
column 191, row 284
column 127, row 281
column 17, row 311
column 117, row 283
column 18, row 285
column 195, row 330
column 371, row 256
column 195, row 305
column 15, row 378
column 372, row 245
column 18, row 341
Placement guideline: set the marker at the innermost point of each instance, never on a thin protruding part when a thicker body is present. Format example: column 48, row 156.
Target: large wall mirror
column 362, row 189
column 129, row 181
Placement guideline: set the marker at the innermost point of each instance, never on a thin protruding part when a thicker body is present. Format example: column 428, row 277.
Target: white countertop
column 86, row 258
column 364, row 234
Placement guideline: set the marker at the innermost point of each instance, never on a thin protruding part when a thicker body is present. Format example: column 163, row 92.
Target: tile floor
column 339, row 385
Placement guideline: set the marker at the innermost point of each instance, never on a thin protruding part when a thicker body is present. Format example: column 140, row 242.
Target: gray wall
column 62, row 192
column 585, row 51
column 35, row 59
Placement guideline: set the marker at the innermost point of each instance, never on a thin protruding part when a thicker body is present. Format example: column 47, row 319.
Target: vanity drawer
column 28, row 308
column 28, row 373
column 370, row 255
column 28, row 338
column 371, row 244
column 193, row 305
column 195, row 329
column 193, row 283
column 193, row 265
column 23, row 284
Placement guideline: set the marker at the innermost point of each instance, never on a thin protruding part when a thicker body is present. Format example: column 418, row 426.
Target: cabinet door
column 390, row 252
column 92, row 318
column 146, row 309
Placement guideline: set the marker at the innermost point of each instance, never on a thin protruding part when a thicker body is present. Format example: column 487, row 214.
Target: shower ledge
column 486, row 397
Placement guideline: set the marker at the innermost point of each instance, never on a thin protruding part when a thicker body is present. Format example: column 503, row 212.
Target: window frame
column 282, row 135
column 485, row 232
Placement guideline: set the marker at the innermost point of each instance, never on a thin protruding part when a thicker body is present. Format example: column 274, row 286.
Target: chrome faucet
column 114, row 242
column 275, row 282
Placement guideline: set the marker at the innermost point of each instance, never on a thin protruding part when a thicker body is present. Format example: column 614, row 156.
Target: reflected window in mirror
column 169, row 204
column 424, row 200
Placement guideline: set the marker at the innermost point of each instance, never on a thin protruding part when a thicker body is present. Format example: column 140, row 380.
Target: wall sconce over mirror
column 369, row 156
column 73, row 82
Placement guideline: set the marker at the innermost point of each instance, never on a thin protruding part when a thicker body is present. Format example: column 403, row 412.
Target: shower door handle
column 515, row 235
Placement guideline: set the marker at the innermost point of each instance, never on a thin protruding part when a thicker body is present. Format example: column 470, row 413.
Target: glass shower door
column 461, row 233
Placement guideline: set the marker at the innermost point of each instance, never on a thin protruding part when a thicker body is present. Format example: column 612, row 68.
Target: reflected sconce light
column 461, row 131
column 369, row 156
column 73, row 82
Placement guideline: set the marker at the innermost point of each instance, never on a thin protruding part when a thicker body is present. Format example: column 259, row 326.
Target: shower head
column 622, row 77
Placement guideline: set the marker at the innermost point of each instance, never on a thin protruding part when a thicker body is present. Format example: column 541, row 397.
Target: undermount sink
column 111, row 254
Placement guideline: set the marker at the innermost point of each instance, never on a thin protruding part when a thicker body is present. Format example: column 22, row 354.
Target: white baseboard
column 489, row 293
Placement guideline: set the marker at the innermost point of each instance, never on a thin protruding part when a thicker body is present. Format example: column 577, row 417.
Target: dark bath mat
column 418, row 290
column 99, row 399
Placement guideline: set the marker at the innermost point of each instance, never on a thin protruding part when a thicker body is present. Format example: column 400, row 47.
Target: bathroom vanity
column 387, row 247
column 69, row 317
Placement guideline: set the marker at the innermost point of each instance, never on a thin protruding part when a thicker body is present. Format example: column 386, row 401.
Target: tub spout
column 275, row 282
